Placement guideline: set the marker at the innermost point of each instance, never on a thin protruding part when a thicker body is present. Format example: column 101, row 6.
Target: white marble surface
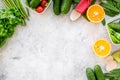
column 51, row 48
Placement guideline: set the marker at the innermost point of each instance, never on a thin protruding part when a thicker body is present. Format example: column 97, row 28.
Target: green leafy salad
column 9, row 18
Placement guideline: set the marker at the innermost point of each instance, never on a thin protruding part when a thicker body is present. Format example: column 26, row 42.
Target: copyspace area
column 51, row 48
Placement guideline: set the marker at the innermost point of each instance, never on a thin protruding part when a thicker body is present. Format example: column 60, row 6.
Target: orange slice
column 102, row 48
column 95, row 13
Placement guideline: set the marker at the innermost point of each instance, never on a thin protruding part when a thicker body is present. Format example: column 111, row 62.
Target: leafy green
column 111, row 7
column 18, row 5
column 104, row 22
column 14, row 15
column 9, row 19
column 117, row 1
column 113, row 75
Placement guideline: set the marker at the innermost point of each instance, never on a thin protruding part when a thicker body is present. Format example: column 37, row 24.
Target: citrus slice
column 95, row 13
column 102, row 48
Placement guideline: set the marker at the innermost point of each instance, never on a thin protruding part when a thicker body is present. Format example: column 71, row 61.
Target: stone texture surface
column 51, row 48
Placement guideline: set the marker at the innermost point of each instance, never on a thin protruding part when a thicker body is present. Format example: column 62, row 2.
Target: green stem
column 6, row 4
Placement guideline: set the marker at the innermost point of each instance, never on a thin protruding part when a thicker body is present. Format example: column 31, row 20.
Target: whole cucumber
column 65, row 6
column 57, row 7
column 99, row 73
column 90, row 74
column 34, row 3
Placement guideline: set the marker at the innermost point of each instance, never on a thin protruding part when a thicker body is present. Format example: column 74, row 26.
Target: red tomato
column 43, row 3
column 39, row 9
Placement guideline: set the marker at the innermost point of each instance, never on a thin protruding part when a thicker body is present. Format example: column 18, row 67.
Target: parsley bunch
column 9, row 19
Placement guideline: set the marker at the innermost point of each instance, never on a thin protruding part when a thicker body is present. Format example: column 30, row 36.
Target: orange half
column 102, row 48
column 95, row 13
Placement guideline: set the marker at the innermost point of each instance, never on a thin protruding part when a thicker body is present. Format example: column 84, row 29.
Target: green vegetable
column 27, row 2
column 76, row 1
column 21, row 9
column 114, row 39
column 34, row 3
column 99, row 73
column 9, row 19
column 109, row 6
column 90, row 74
column 110, row 2
column 117, row 1
column 17, row 5
column 65, row 6
column 114, row 26
column 116, row 70
column 103, row 22
column 2, row 41
column 114, row 33
column 110, row 13
column 113, row 75
column 57, row 7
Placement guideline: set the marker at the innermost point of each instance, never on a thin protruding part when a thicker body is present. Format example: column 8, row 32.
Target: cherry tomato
column 43, row 3
column 39, row 9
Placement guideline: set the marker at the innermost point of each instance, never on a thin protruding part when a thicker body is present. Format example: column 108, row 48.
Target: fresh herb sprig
column 18, row 5
column 14, row 15
column 9, row 19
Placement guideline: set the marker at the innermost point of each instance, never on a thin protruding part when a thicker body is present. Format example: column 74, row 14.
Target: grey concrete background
column 51, row 48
